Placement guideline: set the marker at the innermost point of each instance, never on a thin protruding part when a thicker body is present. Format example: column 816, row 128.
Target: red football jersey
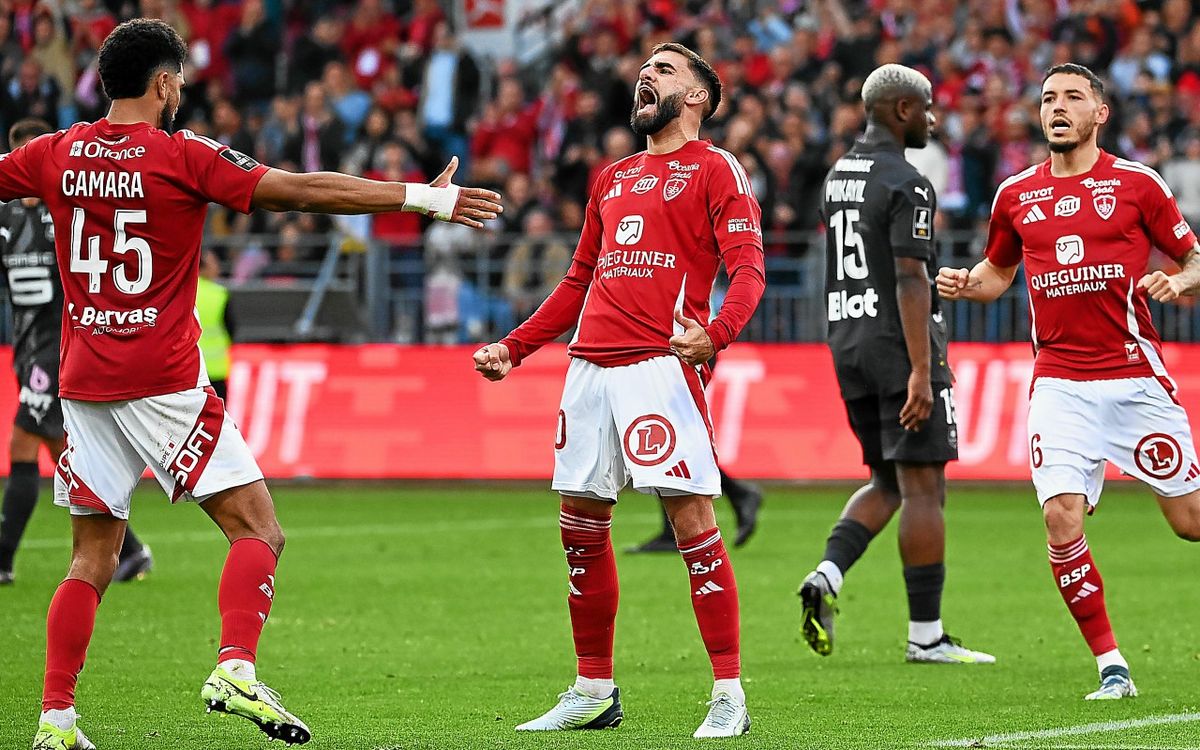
column 657, row 228
column 1086, row 242
column 129, row 203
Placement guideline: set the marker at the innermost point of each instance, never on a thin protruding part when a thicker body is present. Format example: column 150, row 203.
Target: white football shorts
column 190, row 444
column 647, row 421
column 1077, row 426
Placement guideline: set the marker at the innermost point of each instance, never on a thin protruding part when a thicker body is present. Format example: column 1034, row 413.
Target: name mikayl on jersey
column 853, row 165
column 87, row 184
column 845, row 191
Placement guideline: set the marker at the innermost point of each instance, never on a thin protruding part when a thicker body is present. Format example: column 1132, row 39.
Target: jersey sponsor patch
column 1069, row 249
column 922, row 224
column 645, row 185
column 1181, row 229
column 629, row 230
column 238, row 159
column 1068, row 205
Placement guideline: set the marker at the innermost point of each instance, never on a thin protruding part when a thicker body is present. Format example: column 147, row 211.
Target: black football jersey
column 31, row 274
column 877, row 207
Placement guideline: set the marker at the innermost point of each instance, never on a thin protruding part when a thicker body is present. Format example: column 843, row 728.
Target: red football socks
column 715, row 601
column 244, row 597
column 592, row 589
column 69, row 625
column 1082, row 589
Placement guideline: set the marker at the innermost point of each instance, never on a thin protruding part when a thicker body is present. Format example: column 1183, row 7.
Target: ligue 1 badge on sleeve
column 1105, row 205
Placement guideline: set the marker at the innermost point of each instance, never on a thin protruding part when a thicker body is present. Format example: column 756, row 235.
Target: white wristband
column 438, row 202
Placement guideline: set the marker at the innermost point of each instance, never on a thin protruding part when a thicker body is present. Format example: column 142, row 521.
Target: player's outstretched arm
column 493, row 361
column 983, row 283
column 1164, row 288
column 336, row 193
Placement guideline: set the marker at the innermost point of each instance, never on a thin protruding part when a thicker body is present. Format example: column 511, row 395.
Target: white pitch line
column 1045, row 734
column 1098, row 747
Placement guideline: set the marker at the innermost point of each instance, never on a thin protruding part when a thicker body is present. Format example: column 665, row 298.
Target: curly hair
column 134, row 52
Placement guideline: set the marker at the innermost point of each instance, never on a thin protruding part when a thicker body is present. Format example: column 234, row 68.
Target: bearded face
column 650, row 113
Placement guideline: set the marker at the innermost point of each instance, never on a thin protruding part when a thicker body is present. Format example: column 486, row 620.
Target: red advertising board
column 385, row 411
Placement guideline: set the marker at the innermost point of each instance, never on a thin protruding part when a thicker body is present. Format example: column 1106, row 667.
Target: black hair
column 1078, row 70
column 701, row 69
column 134, row 52
column 28, row 129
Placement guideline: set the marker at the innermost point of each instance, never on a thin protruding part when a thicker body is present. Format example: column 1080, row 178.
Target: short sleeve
column 219, row 173
column 734, row 211
column 1168, row 230
column 1004, row 246
column 910, row 219
column 21, row 169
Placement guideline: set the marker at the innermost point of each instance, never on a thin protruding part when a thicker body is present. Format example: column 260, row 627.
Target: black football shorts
column 876, row 422
column 38, row 409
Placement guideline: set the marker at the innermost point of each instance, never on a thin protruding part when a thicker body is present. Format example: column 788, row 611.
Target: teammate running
column 128, row 200
column 889, row 349
column 1084, row 222
column 27, row 255
column 658, row 224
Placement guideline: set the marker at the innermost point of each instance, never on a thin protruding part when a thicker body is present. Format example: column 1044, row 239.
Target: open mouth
column 646, row 98
column 1060, row 126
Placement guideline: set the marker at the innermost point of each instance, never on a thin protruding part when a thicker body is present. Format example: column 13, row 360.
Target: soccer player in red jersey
column 658, row 225
column 1084, row 222
column 128, row 200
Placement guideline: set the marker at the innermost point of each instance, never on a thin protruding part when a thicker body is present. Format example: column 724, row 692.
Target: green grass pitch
column 422, row 618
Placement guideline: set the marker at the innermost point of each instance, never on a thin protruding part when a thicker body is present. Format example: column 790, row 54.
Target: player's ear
column 1102, row 114
column 697, row 95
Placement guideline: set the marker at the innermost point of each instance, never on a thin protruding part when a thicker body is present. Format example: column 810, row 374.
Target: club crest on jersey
column 1158, row 455
column 1105, row 205
column 649, row 440
column 645, row 185
column 1068, row 205
column 673, row 188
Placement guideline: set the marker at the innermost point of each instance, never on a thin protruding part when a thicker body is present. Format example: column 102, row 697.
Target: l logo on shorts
column 649, row 440
column 1158, row 455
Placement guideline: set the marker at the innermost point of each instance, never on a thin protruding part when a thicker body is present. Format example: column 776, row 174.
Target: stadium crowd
column 390, row 90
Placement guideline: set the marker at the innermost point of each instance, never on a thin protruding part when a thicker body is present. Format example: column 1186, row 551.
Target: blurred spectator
column 53, row 53
column 1182, row 173
column 400, row 229
column 317, row 142
column 350, row 105
column 251, row 48
column 535, row 264
column 29, row 93
column 364, row 154
column 504, row 138
column 370, row 40
column 311, row 53
column 449, row 96
column 227, row 128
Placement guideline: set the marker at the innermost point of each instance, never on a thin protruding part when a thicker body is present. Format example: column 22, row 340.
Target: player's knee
column 883, row 478
column 1189, row 532
column 1062, row 519
column 275, row 538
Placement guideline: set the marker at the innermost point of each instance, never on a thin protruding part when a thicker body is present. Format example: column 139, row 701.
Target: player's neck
column 1077, row 161
column 133, row 111
column 671, row 138
column 879, row 135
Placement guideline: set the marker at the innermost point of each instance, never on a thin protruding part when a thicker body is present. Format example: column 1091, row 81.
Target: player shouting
column 1084, row 222
column 128, row 200
column 658, row 224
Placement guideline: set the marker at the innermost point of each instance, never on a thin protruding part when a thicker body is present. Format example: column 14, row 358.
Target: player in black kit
column 31, row 273
column 889, row 350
